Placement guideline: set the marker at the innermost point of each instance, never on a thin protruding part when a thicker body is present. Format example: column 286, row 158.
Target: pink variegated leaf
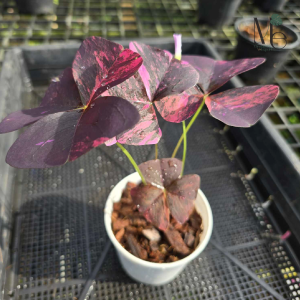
column 213, row 74
column 124, row 67
column 161, row 172
column 181, row 195
column 100, row 64
column 179, row 77
column 161, row 76
column 62, row 95
column 177, row 108
column 104, row 119
column 147, row 130
column 242, row 107
column 150, row 201
column 155, row 64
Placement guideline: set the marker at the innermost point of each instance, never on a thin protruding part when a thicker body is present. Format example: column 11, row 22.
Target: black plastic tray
column 58, row 231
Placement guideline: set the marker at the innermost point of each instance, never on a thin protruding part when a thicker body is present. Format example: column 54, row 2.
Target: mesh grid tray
column 59, row 234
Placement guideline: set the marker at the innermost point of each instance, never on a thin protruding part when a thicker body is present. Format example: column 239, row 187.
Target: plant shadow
column 60, row 240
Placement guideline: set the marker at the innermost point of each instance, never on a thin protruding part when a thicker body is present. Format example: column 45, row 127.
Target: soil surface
column 265, row 31
column 143, row 240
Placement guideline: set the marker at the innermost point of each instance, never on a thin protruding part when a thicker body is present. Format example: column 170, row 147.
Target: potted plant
column 157, row 218
column 270, row 45
column 36, row 7
column 217, row 13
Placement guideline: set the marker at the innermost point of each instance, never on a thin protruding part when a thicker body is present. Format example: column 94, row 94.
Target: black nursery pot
column 275, row 58
column 35, row 6
column 217, row 13
column 270, row 5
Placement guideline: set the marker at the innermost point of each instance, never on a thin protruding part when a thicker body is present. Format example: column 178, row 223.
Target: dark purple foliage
column 73, row 116
column 164, row 81
column 166, row 192
column 240, row 107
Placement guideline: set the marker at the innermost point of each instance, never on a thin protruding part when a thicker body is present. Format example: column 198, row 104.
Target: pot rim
column 287, row 28
column 193, row 255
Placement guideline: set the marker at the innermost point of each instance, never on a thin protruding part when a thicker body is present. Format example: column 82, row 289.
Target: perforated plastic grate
column 62, row 233
column 59, row 233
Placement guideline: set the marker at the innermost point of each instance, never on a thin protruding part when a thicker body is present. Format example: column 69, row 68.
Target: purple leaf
column 21, row 118
column 62, row 91
column 177, row 108
column 124, row 67
column 155, row 64
column 64, row 136
column 179, row 77
column 161, row 172
column 147, row 130
column 181, row 195
column 161, row 76
column 105, row 118
column 46, row 143
column 165, row 192
column 213, row 74
column 158, row 213
column 144, row 195
column 100, row 64
column 62, row 95
column 242, row 107
column 150, row 201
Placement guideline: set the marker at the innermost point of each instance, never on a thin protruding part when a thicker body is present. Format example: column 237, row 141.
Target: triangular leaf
column 100, row 64
column 62, row 91
column 147, row 130
column 125, row 66
column 242, row 107
column 144, row 195
column 181, row 195
column 158, row 213
column 179, row 77
column 62, row 95
column 161, row 172
column 104, row 119
column 155, row 65
column 161, row 75
column 64, row 136
column 177, row 108
column 46, row 143
column 21, row 118
column 213, row 74
column 151, row 203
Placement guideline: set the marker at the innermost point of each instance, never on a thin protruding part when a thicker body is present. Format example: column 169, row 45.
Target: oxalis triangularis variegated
column 107, row 97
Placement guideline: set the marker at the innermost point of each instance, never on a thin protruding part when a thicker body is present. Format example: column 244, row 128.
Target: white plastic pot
column 149, row 272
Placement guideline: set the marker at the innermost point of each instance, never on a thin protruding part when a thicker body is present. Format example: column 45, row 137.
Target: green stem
column 132, row 162
column 189, row 126
column 156, row 151
column 184, row 147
